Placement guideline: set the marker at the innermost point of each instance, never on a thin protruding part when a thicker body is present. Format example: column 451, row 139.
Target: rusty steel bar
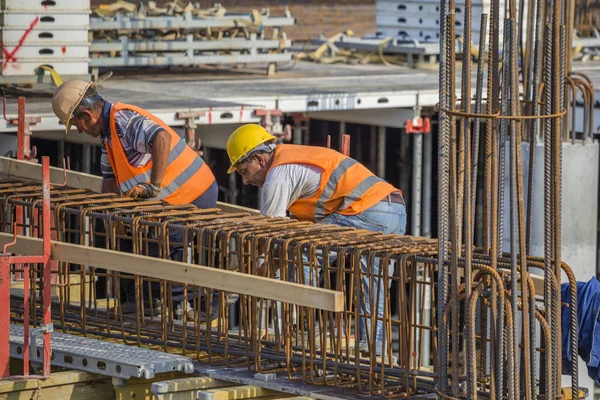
column 506, row 365
column 309, row 345
column 320, row 341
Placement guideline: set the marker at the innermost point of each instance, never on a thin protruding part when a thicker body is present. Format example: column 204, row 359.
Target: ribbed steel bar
column 533, row 127
column 478, row 108
column 195, row 320
column 465, row 184
column 547, row 197
column 443, row 194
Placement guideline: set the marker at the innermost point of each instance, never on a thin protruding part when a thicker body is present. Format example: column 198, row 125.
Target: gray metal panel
column 389, row 47
column 182, row 45
column 184, row 60
column 98, row 356
column 230, row 21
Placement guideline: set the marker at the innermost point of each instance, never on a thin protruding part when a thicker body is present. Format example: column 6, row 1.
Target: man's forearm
column 161, row 146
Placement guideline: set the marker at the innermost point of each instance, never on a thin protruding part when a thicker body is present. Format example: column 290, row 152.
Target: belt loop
column 389, row 200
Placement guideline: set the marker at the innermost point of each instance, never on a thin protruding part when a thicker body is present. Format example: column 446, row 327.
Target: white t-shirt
column 287, row 183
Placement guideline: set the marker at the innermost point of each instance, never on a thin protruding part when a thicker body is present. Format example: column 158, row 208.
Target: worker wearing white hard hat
column 142, row 157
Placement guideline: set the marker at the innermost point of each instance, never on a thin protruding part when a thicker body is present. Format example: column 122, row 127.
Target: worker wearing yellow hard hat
column 322, row 185
column 142, row 157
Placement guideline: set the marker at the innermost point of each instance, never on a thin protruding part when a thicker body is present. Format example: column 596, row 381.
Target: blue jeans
column 384, row 217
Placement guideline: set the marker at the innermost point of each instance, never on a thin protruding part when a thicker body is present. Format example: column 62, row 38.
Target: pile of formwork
column 37, row 33
column 420, row 19
column 127, row 35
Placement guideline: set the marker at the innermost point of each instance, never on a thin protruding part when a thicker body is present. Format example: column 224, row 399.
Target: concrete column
column 381, row 151
column 426, row 183
column 206, row 153
column 232, row 197
column 579, row 217
column 60, row 153
column 416, row 185
column 297, row 135
column 373, row 149
column 342, row 131
column 86, row 160
column 306, row 136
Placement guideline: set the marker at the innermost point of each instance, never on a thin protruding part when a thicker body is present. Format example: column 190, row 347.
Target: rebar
column 508, row 344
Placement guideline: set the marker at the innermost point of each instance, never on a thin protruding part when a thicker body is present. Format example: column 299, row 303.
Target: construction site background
column 313, row 17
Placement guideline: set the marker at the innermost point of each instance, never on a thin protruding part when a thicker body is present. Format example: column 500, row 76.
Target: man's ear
column 260, row 160
column 86, row 115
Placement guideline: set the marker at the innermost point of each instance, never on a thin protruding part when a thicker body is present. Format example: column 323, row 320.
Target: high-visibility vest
column 347, row 187
column 187, row 176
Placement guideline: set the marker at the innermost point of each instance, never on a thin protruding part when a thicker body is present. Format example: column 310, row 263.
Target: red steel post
column 5, row 316
column 47, row 265
column 26, row 319
column 346, row 144
column 21, row 129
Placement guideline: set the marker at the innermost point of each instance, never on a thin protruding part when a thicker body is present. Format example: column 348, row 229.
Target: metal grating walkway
column 98, row 356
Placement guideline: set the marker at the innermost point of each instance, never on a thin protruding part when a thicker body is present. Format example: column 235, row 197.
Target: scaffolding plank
column 156, row 60
column 122, row 23
column 187, row 384
column 237, row 392
column 98, row 356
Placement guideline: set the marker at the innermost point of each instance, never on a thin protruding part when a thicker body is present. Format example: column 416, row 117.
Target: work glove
column 143, row 191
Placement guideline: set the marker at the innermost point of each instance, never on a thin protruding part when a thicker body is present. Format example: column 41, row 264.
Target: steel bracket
column 23, row 123
column 271, row 120
column 190, row 126
column 418, row 124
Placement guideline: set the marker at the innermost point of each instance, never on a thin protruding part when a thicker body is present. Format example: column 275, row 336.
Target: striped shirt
column 136, row 133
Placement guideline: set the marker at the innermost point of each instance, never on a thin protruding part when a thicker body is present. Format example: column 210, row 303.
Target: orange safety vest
column 347, row 187
column 187, row 176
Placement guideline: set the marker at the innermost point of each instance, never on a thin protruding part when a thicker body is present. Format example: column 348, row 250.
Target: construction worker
column 142, row 157
column 321, row 185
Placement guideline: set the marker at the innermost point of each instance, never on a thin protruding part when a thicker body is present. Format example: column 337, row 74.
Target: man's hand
column 143, row 191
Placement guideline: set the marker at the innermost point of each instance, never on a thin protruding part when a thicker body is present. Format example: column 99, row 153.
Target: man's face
column 89, row 122
column 253, row 172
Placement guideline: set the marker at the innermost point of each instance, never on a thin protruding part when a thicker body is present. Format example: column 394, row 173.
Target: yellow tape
column 55, row 75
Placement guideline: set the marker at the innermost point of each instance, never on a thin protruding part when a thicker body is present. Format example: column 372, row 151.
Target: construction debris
column 343, row 48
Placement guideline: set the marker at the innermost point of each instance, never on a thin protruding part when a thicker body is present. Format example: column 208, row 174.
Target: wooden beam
column 186, row 384
column 78, row 180
column 232, row 208
column 176, row 271
column 538, row 283
column 76, row 385
column 27, row 170
column 237, row 392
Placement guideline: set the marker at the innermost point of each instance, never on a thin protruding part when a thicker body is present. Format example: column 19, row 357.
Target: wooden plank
column 229, row 281
column 538, row 283
column 233, row 208
column 237, row 392
column 188, row 383
column 78, row 180
column 186, row 388
column 27, row 170
column 59, row 385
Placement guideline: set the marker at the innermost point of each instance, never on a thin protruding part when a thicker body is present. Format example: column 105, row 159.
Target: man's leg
column 386, row 217
column 207, row 200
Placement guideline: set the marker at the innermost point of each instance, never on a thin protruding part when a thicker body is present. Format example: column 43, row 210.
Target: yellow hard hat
column 243, row 140
column 66, row 98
